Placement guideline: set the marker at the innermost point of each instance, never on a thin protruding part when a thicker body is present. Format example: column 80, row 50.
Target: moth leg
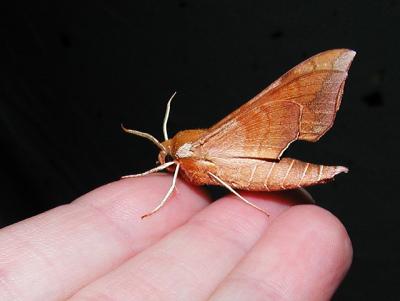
column 237, row 194
column 164, row 200
column 153, row 170
column 167, row 115
column 307, row 194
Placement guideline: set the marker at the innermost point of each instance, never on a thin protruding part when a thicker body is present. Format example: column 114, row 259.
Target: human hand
column 98, row 248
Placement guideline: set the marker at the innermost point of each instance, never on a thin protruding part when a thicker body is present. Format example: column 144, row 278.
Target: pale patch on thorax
column 184, row 151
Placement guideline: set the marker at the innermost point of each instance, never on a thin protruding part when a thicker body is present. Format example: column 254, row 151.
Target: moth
column 244, row 150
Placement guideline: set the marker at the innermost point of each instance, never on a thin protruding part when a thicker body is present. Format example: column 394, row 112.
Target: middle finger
column 189, row 263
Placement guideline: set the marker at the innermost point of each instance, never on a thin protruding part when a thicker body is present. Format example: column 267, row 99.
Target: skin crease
column 98, row 248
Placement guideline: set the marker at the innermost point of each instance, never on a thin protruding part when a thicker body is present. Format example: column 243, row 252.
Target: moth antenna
column 167, row 116
column 170, row 190
column 237, row 194
column 153, row 170
column 144, row 135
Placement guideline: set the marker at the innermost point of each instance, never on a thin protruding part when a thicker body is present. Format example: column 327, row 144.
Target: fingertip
column 320, row 248
column 322, row 226
column 333, row 234
column 303, row 255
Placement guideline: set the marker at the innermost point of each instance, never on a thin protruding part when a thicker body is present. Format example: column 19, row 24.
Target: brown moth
column 244, row 149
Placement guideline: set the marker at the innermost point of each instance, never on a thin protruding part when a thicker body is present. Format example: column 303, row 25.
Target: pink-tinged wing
column 302, row 104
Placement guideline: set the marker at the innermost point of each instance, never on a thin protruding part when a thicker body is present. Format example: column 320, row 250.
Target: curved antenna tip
column 166, row 116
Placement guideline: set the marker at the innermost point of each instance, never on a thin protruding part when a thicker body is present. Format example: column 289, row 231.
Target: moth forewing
column 316, row 85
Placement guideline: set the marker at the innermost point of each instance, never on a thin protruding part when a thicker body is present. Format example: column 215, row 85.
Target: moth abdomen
column 261, row 175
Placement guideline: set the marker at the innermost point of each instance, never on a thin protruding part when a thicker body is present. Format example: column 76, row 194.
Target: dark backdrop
column 72, row 71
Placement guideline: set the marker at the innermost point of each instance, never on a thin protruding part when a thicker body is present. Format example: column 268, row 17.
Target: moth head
column 165, row 155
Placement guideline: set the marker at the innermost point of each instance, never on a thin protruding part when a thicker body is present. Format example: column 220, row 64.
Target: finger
column 50, row 256
column 303, row 255
column 189, row 263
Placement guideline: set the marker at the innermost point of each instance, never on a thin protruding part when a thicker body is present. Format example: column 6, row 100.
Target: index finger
column 50, row 256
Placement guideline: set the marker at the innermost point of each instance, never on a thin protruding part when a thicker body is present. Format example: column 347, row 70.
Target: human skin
column 98, row 248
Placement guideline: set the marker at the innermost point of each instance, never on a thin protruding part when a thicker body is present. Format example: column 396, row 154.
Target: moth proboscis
column 244, row 150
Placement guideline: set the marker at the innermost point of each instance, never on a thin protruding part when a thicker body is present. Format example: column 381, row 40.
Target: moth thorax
column 184, row 151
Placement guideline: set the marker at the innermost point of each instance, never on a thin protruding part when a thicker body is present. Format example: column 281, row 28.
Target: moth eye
column 168, row 158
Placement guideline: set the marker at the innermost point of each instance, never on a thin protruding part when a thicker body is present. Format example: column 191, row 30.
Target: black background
column 71, row 72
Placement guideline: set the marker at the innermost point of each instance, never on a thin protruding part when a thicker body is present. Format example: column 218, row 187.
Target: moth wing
column 263, row 133
column 301, row 104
